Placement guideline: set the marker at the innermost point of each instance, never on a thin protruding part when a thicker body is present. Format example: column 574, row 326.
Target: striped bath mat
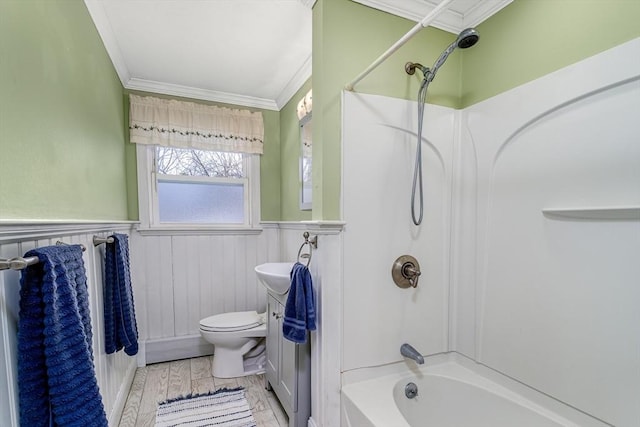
column 221, row 408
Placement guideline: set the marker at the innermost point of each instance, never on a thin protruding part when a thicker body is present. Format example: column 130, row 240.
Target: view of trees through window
column 187, row 162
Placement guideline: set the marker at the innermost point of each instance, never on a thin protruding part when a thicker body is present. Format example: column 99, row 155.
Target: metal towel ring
column 313, row 243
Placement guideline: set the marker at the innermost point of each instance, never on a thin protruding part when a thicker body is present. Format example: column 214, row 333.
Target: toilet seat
column 230, row 322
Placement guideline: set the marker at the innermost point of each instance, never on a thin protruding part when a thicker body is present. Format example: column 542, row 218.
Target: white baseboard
column 141, row 357
column 123, row 393
column 176, row 348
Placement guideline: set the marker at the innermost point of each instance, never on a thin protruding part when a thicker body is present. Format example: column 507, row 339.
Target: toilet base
column 231, row 364
column 255, row 365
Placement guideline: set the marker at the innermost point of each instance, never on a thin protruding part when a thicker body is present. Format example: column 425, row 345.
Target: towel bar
column 20, row 263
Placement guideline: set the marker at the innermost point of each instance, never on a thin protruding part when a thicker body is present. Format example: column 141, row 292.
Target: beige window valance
column 181, row 124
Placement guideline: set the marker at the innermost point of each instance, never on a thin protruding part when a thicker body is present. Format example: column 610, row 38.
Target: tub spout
column 407, row 351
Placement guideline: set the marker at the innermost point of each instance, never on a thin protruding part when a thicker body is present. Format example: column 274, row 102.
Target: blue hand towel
column 300, row 309
column 56, row 376
column 120, row 327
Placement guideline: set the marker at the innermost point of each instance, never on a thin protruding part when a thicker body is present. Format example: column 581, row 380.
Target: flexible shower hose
column 417, row 170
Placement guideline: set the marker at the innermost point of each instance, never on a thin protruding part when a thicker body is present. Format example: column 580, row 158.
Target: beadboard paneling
column 114, row 371
column 326, row 341
column 183, row 278
column 9, row 298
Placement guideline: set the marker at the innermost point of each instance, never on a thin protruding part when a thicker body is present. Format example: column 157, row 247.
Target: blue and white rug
column 221, row 408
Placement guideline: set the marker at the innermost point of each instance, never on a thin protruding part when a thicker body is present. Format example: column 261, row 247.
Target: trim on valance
column 155, row 121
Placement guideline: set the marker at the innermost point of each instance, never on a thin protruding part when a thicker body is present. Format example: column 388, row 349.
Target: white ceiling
column 255, row 53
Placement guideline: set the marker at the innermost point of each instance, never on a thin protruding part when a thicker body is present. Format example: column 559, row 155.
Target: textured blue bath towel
column 120, row 327
column 300, row 309
column 56, row 376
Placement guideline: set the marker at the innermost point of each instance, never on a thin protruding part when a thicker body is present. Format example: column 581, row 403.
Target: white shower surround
column 549, row 301
column 377, row 173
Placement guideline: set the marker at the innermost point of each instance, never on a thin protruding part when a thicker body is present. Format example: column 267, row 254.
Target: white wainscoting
column 183, row 277
column 114, row 371
column 326, row 341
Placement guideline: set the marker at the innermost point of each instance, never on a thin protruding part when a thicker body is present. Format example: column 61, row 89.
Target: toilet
column 239, row 340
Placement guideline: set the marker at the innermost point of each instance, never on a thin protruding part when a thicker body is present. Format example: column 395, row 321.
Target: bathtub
column 449, row 395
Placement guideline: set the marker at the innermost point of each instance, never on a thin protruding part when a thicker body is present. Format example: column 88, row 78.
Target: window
column 198, row 164
column 188, row 187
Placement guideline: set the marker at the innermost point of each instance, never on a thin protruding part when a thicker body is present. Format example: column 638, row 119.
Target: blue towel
column 56, row 376
column 120, row 328
column 300, row 309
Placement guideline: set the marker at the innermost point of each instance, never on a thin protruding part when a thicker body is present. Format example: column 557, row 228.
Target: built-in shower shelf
column 603, row 213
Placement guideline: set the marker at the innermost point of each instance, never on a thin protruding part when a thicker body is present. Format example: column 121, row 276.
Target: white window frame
column 148, row 194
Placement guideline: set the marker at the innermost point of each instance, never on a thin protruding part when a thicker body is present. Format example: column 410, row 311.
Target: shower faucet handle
column 406, row 271
column 411, row 273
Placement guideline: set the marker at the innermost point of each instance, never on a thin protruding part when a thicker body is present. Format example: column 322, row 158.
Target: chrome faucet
column 407, row 351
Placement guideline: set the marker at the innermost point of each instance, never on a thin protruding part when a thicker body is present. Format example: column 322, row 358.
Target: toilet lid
column 236, row 321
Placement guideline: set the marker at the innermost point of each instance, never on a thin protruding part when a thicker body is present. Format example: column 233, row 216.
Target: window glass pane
column 178, row 161
column 197, row 202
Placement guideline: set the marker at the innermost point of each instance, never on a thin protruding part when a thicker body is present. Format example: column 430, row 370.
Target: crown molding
column 202, row 94
column 482, row 11
column 414, row 10
column 105, row 31
column 449, row 20
column 296, row 82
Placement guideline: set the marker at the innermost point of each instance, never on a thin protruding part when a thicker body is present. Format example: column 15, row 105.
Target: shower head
column 467, row 38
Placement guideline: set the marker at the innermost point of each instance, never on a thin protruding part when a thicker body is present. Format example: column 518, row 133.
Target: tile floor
column 161, row 381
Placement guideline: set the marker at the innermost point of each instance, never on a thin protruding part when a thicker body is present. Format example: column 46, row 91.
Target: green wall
column 290, row 155
column 524, row 41
column 347, row 37
column 270, row 163
column 63, row 121
column 63, row 130
column 531, row 38
column 61, row 116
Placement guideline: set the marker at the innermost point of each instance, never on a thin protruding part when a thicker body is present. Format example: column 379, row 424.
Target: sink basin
column 275, row 276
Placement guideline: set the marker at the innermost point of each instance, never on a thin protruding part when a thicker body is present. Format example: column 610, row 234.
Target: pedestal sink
column 275, row 276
